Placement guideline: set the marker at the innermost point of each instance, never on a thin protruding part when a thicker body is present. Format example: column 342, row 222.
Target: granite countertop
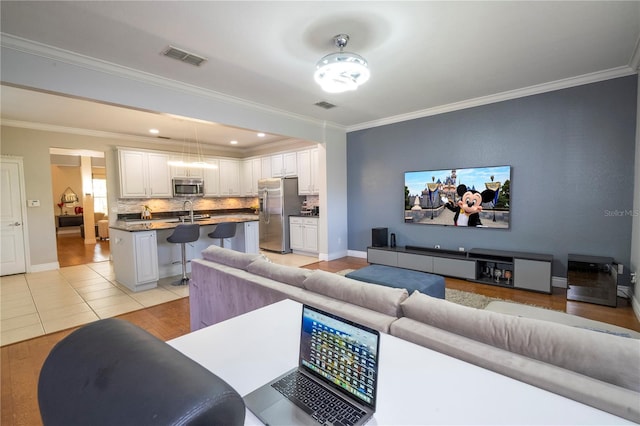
column 171, row 223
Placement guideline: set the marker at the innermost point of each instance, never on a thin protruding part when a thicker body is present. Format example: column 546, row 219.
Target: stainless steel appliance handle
column 265, row 204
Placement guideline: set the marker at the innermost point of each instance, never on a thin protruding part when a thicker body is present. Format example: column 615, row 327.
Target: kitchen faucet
column 184, row 207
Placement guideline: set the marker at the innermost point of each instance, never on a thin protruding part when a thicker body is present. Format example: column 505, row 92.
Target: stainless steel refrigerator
column 278, row 199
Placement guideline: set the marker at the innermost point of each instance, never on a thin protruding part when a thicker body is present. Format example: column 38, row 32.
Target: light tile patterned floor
column 35, row 304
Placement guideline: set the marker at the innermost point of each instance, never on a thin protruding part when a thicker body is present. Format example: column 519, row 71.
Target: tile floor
column 39, row 303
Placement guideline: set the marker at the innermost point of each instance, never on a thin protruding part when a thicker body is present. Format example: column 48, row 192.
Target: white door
column 12, row 253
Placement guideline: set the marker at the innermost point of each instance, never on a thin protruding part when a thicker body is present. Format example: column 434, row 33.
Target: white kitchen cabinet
column 307, row 163
column 211, row 178
column 251, row 237
column 144, row 174
column 284, row 165
column 229, row 177
column 303, row 234
column 251, row 173
column 265, row 171
column 135, row 258
column 296, row 233
column 184, row 172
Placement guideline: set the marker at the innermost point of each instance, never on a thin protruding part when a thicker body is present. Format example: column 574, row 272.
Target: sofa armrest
column 111, row 372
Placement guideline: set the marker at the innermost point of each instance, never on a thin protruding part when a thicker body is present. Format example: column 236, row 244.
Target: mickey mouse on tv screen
column 467, row 211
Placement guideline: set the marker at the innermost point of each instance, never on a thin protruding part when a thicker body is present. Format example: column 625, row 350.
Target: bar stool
column 184, row 233
column 224, row 230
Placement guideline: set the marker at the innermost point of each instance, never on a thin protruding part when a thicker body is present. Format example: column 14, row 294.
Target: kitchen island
column 141, row 254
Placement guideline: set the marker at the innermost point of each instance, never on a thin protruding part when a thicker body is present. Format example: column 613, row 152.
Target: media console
column 527, row 271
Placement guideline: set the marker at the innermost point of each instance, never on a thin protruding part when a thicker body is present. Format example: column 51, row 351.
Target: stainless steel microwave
column 188, row 187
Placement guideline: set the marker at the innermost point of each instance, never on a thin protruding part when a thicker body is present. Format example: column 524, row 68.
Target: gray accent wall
column 571, row 154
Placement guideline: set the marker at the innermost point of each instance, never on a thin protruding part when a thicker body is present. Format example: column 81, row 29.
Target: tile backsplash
column 159, row 205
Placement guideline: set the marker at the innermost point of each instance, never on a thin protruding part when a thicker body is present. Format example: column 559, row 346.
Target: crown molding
column 105, row 135
column 54, row 53
column 50, row 52
column 276, row 146
column 503, row 96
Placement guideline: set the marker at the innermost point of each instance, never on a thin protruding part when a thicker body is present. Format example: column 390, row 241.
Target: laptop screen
column 341, row 352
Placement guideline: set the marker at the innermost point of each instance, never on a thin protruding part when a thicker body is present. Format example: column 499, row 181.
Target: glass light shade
column 341, row 71
column 192, row 164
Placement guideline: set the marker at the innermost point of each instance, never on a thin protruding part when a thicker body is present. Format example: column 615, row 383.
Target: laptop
column 335, row 382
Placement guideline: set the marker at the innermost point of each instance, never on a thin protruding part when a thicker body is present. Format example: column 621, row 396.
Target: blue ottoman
column 425, row 283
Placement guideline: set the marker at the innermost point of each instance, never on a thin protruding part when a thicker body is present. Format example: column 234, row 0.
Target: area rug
column 465, row 298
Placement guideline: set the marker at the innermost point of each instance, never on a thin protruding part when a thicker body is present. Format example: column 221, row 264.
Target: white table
column 416, row 385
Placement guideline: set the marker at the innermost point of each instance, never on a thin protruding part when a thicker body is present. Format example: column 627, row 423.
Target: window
column 100, row 195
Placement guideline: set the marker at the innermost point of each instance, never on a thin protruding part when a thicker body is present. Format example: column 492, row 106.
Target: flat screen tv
column 473, row 197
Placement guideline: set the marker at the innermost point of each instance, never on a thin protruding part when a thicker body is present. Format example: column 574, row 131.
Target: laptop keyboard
column 322, row 405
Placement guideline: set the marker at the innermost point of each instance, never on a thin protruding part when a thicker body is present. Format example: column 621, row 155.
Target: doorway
column 13, row 227
column 78, row 218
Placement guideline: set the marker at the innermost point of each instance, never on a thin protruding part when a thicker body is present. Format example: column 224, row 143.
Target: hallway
column 73, row 251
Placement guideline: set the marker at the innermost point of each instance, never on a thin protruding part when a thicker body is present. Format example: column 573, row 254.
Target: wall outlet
column 33, row 203
column 634, row 278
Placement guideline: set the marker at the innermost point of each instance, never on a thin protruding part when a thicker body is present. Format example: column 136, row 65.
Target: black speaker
column 379, row 237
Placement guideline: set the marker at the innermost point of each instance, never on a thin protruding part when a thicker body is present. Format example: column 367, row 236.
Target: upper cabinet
column 284, row 165
column 147, row 174
column 144, row 174
column 307, row 172
column 266, row 167
column 184, row 172
column 211, row 178
column 229, row 177
column 251, row 173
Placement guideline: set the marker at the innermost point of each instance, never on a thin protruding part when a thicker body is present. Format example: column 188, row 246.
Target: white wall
column 332, row 173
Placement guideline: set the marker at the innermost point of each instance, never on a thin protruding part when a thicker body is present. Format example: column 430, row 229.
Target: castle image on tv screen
column 469, row 197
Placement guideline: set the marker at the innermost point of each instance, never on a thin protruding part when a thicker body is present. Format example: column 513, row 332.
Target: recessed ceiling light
column 234, row 142
column 261, row 135
column 154, row 131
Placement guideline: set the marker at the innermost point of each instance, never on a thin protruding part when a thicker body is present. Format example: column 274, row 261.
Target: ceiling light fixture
column 188, row 160
column 154, row 131
column 341, row 71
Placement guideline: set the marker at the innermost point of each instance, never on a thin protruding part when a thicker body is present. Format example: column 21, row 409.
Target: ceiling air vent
column 325, row 105
column 184, row 56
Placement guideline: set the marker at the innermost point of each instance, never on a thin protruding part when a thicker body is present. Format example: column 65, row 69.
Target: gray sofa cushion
column 230, row 257
column 219, row 292
column 583, row 351
column 286, row 274
column 579, row 387
column 379, row 298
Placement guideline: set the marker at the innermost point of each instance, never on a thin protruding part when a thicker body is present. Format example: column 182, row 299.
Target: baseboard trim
column 635, row 304
column 357, row 253
column 43, row 267
column 560, row 282
column 331, row 256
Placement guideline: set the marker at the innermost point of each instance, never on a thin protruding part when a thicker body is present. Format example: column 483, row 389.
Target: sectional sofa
column 597, row 369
